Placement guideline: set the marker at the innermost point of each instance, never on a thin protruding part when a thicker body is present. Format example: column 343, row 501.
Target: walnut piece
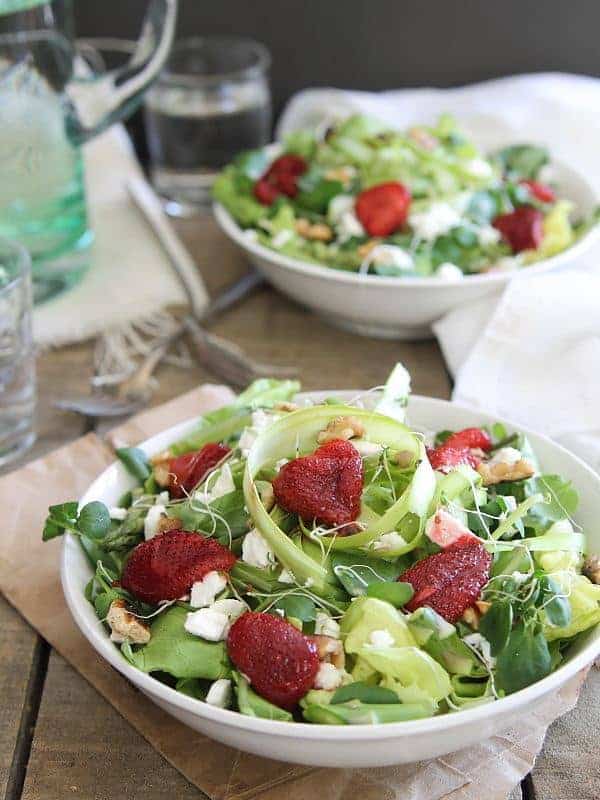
column 496, row 473
column 168, row 524
column 164, row 455
column 591, row 568
column 364, row 250
column 483, row 606
column 341, row 428
column 316, row 232
column 125, row 626
column 286, row 406
column 472, row 616
column 329, row 649
column 341, row 174
column 404, row 458
column 161, row 472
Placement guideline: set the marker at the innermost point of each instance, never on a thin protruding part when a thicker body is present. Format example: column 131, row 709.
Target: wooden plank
column 84, row 748
column 568, row 768
column 17, row 649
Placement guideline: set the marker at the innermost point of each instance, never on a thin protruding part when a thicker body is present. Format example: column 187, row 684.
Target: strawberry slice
column 166, row 566
column 522, row 229
column 450, row 581
column 186, row 472
column 383, row 209
column 280, row 662
column 470, row 437
column 540, row 191
column 280, row 178
column 325, row 486
column 445, row 458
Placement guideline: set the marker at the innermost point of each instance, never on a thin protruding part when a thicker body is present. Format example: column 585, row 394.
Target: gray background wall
column 377, row 44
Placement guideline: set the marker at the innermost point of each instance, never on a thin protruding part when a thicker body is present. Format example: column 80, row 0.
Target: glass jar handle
column 105, row 99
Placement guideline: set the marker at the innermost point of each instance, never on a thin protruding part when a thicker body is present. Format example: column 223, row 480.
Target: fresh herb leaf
column 135, row 461
column 496, row 624
column 297, row 606
column 94, row 520
column 522, row 160
column 365, row 693
column 524, row 660
column 60, row 518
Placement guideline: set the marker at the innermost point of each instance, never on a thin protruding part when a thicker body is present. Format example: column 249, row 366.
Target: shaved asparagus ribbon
column 297, row 433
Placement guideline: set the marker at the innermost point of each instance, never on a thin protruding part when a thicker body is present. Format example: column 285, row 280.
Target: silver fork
column 221, row 357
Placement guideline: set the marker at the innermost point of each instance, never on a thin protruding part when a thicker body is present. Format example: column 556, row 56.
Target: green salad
column 424, row 202
column 326, row 563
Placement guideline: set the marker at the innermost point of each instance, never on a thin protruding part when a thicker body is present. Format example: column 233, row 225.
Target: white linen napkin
column 532, row 353
column 130, row 277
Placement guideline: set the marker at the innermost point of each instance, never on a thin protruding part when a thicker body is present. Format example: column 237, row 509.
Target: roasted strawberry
column 265, row 192
column 470, row 437
column 166, row 566
column 280, row 178
column 445, row 458
column 279, row 661
column 325, row 486
column 450, row 581
column 383, row 209
column 522, row 229
column 186, row 472
column 540, row 191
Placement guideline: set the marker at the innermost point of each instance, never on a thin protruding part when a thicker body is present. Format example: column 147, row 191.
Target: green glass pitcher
column 50, row 104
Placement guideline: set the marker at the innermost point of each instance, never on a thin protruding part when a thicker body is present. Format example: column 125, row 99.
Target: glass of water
column 17, row 361
column 211, row 100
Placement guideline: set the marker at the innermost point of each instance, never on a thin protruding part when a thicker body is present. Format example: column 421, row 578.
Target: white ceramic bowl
column 335, row 745
column 397, row 308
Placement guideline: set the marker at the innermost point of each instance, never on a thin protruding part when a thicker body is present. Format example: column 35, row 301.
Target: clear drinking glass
column 211, row 100
column 17, row 361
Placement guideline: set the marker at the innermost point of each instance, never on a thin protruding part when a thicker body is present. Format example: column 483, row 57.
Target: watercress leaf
column 365, row 693
column 495, row 625
column 555, row 604
column 395, row 592
column 464, row 236
column 316, row 191
column 441, row 437
column 103, row 600
column 135, row 461
column 94, row 520
column 355, row 570
column 297, row 606
column 522, row 160
column 524, row 660
column 60, row 518
column 563, row 500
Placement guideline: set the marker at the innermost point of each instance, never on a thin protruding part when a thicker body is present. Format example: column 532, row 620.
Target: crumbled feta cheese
column 349, row 226
column 281, row 463
column 381, row 638
column 117, row 513
column 308, row 583
column 326, row 626
column 438, row 219
column 367, row 449
column 162, row 498
column 505, row 455
column 208, row 624
column 282, row 238
column 219, row 694
column 152, row 520
column 285, row 576
column 389, row 542
column 511, row 502
column 251, row 235
column 488, row 235
column 448, row 272
column 219, row 483
column 204, row 592
column 479, row 168
column 329, row 677
column 338, row 206
column 256, row 551
column 389, row 255
column 213, row 623
column 247, row 439
column 260, row 420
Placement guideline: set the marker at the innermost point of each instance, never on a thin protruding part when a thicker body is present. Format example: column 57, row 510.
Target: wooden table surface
column 58, row 738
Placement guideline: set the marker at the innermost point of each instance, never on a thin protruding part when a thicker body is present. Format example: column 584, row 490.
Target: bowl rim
column 97, row 637
column 234, row 231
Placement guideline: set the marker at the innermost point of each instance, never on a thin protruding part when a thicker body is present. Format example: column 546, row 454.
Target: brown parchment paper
column 29, row 578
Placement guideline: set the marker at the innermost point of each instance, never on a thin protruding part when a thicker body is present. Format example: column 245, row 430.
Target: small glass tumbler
column 17, row 360
column 211, row 101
